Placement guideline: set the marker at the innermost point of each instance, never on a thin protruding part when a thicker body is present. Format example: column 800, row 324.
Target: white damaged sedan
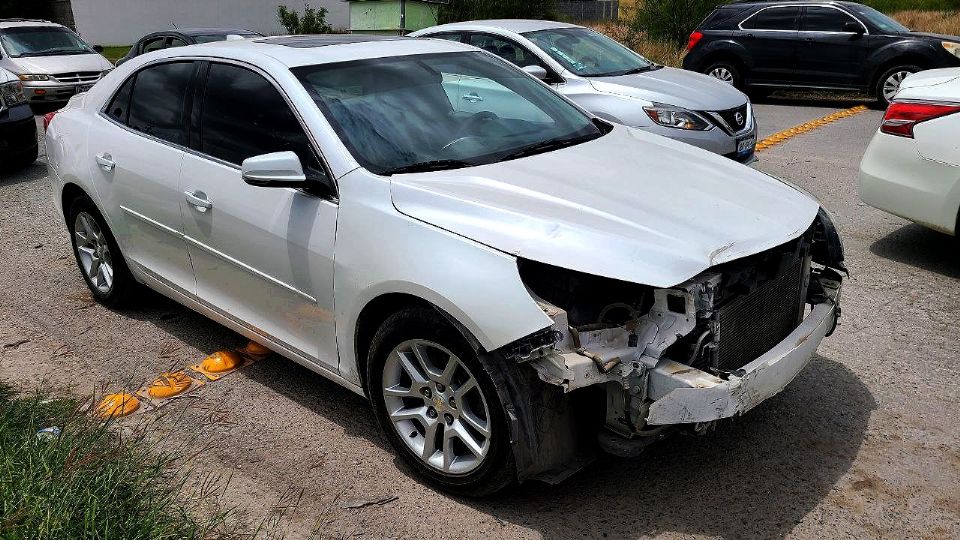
column 512, row 285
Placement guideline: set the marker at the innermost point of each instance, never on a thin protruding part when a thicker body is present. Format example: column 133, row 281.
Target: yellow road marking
column 787, row 134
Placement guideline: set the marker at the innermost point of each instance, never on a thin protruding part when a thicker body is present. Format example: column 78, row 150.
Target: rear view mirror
column 279, row 169
column 855, row 27
column 536, row 71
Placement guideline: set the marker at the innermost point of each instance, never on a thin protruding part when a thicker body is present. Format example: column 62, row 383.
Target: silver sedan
column 615, row 83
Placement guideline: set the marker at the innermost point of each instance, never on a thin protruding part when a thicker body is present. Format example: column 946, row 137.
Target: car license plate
column 83, row 88
column 746, row 144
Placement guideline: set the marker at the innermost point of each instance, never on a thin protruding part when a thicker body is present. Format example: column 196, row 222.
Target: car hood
column 70, row 63
column 672, row 86
column 630, row 206
column 937, row 37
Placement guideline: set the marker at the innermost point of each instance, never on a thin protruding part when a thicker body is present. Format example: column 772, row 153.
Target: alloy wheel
column 892, row 85
column 94, row 252
column 722, row 73
column 436, row 406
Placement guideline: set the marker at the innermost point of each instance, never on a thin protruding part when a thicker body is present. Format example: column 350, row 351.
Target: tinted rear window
column 160, row 96
column 824, row 19
column 778, row 18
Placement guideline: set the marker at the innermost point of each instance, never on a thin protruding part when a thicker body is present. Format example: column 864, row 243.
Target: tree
column 313, row 21
column 465, row 10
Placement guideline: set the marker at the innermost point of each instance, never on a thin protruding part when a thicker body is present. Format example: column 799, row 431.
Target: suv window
column 243, row 115
column 506, row 49
column 825, row 19
column 777, row 18
column 159, row 99
column 154, row 44
column 455, row 36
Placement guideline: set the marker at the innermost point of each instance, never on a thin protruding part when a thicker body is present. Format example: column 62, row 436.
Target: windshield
column 441, row 111
column 588, row 53
column 878, row 19
column 41, row 41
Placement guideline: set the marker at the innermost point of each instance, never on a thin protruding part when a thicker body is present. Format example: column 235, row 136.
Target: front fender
column 915, row 50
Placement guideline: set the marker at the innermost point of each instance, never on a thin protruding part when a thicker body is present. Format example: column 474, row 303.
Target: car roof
column 294, row 51
column 14, row 23
column 518, row 26
column 766, row 3
column 213, row 31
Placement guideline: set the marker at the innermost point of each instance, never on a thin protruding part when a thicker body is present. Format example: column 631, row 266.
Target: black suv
column 759, row 46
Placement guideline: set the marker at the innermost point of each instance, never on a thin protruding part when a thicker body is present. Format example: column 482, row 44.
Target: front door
column 136, row 152
column 830, row 54
column 262, row 256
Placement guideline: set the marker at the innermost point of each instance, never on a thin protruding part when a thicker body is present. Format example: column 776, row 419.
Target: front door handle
column 105, row 161
column 198, row 200
column 472, row 98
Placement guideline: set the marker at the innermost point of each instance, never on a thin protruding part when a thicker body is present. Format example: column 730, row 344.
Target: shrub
column 671, row 20
column 313, row 21
column 465, row 10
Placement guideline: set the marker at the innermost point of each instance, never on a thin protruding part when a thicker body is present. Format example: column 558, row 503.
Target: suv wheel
column 726, row 72
column 889, row 82
column 98, row 255
column 434, row 399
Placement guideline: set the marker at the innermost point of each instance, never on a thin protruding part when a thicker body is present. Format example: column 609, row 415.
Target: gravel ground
column 864, row 444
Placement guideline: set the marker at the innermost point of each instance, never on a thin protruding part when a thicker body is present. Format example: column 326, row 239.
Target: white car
column 504, row 285
column 615, row 83
column 912, row 166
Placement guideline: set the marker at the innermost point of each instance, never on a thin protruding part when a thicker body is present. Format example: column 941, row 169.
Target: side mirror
column 855, row 27
column 536, row 71
column 279, row 169
column 98, row 48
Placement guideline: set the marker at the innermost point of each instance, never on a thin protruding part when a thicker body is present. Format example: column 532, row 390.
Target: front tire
column 435, row 400
column 889, row 83
column 98, row 256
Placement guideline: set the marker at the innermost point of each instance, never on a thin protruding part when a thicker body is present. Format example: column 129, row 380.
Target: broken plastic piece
column 256, row 351
column 221, row 361
column 119, row 404
column 169, row 385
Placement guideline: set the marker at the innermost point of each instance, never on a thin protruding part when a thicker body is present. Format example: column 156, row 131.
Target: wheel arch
column 68, row 194
column 906, row 58
column 729, row 51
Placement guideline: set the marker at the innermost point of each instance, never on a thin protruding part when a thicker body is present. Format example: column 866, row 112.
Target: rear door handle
column 105, row 161
column 199, row 200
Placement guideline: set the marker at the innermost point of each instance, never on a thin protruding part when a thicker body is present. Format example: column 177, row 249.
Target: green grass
column 115, row 52
column 888, row 6
column 86, row 483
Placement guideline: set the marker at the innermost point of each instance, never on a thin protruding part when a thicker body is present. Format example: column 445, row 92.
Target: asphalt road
column 864, row 444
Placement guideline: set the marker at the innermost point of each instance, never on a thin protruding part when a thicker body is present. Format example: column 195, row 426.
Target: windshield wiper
column 549, row 145
column 427, row 166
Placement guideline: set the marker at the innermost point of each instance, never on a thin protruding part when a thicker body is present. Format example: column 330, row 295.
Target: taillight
column 695, row 38
column 47, row 118
column 903, row 116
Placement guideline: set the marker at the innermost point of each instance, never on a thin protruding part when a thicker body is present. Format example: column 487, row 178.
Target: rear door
column 262, row 256
column 136, row 148
column 829, row 54
column 771, row 38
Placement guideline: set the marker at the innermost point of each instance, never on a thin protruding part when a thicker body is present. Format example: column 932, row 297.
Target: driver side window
column 506, row 49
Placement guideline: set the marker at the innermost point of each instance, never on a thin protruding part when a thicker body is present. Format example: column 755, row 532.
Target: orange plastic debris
column 256, row 350
column 221, row 361
column 119, row 404
column 169, row 385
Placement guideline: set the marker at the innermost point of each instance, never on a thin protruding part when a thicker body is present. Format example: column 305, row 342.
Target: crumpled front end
column 710, row 348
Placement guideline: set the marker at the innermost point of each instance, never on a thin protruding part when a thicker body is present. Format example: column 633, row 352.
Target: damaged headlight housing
column 676, row 117
column 11, row 94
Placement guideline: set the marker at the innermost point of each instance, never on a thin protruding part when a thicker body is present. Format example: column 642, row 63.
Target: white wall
column 122, row 22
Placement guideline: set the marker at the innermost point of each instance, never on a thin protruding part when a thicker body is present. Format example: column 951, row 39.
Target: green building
column 392, row 16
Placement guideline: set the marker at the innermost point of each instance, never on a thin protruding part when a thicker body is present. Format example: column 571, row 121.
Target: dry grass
column 939, row 22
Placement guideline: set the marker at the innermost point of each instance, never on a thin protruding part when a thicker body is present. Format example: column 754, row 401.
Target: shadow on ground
column 921, row 248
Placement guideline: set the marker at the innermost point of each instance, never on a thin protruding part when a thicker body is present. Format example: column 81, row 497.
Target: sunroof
column 307, row 42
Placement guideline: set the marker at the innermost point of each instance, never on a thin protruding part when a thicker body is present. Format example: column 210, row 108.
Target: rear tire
column 429, row 412
column 888, row 84
column 725, row 71
column 98, row 256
